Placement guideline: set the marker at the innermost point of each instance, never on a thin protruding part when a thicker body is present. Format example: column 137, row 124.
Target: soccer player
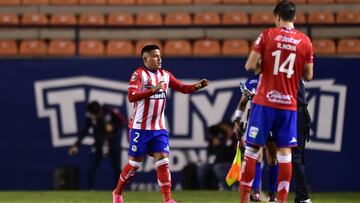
column 147, row 135
column 241, row 118
column 286, row 56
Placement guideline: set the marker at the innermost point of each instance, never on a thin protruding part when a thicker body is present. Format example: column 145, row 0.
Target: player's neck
column 286, row 24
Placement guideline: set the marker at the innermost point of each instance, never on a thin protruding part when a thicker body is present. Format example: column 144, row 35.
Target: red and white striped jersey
column 149, row 106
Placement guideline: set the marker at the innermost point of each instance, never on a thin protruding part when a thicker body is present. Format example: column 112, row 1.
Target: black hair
column 149, row 48
column 286, row 10
column 93, row 108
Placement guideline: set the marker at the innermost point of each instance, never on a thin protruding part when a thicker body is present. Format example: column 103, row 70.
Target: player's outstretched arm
column 252, row 61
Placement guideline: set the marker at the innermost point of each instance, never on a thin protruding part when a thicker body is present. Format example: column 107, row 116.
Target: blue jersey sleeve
column 252, row 82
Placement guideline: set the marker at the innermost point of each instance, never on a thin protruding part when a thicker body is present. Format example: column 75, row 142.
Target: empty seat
column 207, row 2
column 299, row 1
column 141, row 43
column 119, row 48
column 9, row 19
column 177, row 19
column 272, row 2
column 8, row 48
column 347, row 17
column 178, row 2
column 33, row 48
column 235, row 18
column 262, row 18
column 321, row 1
column 321, row 17
column 148, row 19
column 236, row 2
column 206, row 47
column 347, row 1
column 92, row 2
column 207, row 18
column 324, row 47
column 348, row 46
column 34, row 19
column 91, row 48
column 10, row 3
column 121, row 2
column 63, row 19
column 61, row 48
column 177, row 48
column 235, row 47
column 64, row 2
column 150, row 2
column 35, row 2
column 91, row 19
column 300, row 18
column 120, row 19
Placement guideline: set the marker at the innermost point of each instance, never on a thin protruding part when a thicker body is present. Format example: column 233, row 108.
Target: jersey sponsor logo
column 287, row 39
column 158, row 95
column 133, row 86
column 278, row 97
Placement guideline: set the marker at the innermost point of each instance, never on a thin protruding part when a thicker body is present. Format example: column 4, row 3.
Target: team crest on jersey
column 134, row 148
column 158, row 95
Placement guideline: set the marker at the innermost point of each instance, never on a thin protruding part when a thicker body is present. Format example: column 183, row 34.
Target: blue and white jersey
column 252, row 83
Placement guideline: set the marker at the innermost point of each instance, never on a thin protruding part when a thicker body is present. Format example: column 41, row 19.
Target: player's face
column 153, row 59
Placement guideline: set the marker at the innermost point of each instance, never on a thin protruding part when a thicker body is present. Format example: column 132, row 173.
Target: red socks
column 248, row 173
column 164, row 178
column 284, row 177
column 126, row 174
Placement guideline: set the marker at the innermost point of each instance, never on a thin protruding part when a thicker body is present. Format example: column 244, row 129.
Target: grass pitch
column 149, row 197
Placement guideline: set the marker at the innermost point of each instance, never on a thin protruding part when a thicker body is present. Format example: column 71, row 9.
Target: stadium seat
column 91, row 48
column 150, row 2
column 299, row 1
column 10, row 3
column 8, row 48
column 260, row 2
column 92, row 2
column 34, row 19
column 235, row 47
column 347, row 1
column 177, row 48
column 206, row 47
column 148, row 19
column 120, row 19
column 324, row 47
column 207, row 2
column 235, row 18
column 119, row 48
column 9, row 19
column 232, row 2
column 141, row 43
column 64, row 2
column 178, row 2
column 35, row 2
column 207, row 18
column 321, row 17
column 348, row 46
column 175, row 18
column 63, row 19
column 321, row 1
column 121, row 2
column 300, row 18
column 61, row 48
column 348, row 17
column 91, row 18
column 262, row 18
column 33, row 48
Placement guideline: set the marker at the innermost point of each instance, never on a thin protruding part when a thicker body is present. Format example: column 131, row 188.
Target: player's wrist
column 238, row 115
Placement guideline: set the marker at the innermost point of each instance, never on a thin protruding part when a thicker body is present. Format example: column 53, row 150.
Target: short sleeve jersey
column 284, row 53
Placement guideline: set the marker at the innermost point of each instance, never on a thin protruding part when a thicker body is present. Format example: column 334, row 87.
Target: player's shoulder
column 303, row 36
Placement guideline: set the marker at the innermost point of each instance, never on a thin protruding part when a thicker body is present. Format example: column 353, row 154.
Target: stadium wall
column 43, row 102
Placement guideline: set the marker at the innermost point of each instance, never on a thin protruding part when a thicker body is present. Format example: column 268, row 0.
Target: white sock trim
column 135, row 164
column 162, row 162
column 283, row 158
column 252, row 152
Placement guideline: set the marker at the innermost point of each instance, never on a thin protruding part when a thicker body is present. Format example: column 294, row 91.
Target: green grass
column 148, row 197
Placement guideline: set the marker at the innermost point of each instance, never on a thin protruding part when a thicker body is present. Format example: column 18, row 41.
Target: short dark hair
column 286, row 10
column 149, row 48
column 93, row 108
